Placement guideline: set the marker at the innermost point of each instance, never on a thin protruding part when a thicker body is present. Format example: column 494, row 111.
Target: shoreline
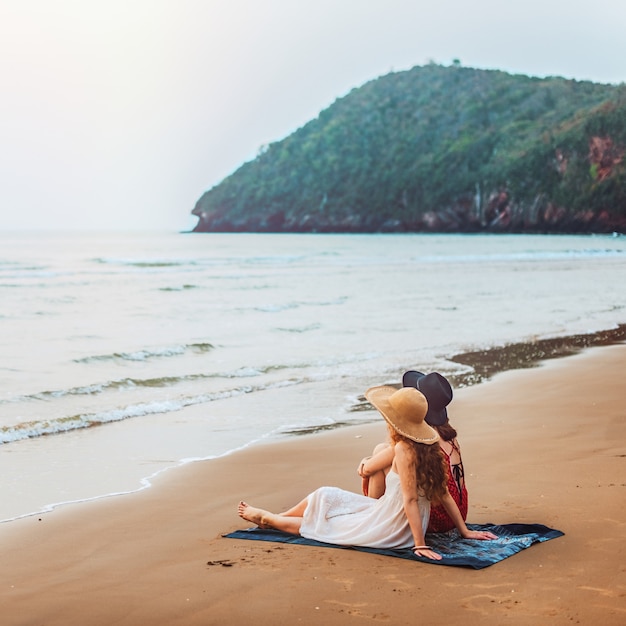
column 485, row 365
column 525, row 354
column 541, row 445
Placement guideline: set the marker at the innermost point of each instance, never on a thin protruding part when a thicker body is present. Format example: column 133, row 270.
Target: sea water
column 123, row 355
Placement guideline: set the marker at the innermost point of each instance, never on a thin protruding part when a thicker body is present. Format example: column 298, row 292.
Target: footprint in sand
column 360, row 610
column 607, row 593
column 347, row 583
column 486, row 603
column 397, row 583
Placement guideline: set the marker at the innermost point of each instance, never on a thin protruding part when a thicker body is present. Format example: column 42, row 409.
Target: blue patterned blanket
column 512, row 538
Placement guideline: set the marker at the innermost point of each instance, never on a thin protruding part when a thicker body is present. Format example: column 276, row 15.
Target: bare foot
column 251, row 514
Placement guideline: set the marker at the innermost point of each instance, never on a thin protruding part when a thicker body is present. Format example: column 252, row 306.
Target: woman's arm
column 379, row 461
column 455, row 515
column 404, row 467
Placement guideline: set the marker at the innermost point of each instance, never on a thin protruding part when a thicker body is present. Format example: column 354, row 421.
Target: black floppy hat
column 437, row 390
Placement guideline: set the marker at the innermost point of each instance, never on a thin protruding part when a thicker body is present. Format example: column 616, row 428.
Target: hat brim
column 410, row 378
column 380, row 396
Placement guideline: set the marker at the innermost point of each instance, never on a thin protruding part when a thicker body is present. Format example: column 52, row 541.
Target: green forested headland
column 440, row 149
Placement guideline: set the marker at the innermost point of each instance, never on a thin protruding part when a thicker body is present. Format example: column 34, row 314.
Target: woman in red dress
column 438, row 393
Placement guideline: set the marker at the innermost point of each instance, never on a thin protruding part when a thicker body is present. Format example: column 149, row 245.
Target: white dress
column 337, row 516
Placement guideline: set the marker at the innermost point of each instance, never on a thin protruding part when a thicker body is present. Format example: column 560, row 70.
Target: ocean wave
column 141, row 263
column 284, row 259
column 276, row 308
column 151, row 383
column 531, row 255
column 285, row 306
column 25, row 278
column 181, row 288
column 98, row 388
column 39, row 428
column 301, row 329
column 145, row 355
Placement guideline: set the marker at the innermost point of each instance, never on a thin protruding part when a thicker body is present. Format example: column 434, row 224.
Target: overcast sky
column 119, row 114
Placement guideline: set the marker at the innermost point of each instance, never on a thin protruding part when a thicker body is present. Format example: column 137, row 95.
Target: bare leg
column 377, row 485
column 296, row 511
column 374, row 485
column 265, row 519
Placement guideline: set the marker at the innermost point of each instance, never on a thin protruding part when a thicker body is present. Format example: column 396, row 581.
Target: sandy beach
column 544, row 445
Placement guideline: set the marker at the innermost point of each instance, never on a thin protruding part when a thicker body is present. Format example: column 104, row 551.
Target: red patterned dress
column 439, row 520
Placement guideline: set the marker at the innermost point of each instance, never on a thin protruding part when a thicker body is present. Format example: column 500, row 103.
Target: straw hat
column 404, row 409
column 437, row 390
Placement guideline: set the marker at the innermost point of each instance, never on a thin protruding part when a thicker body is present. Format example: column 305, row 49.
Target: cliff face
column 440, row 149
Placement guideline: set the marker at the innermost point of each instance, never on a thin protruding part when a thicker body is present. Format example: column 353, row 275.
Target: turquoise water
column 122, row 355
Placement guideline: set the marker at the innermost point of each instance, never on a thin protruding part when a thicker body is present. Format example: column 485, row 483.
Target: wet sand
column 545, row 445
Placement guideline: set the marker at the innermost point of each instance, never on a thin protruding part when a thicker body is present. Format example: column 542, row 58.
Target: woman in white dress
column 399, row 518
column 373, row 469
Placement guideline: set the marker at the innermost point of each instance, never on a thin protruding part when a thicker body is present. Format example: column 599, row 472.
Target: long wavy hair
column 431, row 469
column 446, row 431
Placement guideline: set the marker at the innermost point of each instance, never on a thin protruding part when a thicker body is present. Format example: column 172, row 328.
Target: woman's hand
column 427, row 552
column 478, row 534
column 360, row 469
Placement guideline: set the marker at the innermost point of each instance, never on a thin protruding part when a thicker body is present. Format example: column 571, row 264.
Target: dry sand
column 546, row 445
